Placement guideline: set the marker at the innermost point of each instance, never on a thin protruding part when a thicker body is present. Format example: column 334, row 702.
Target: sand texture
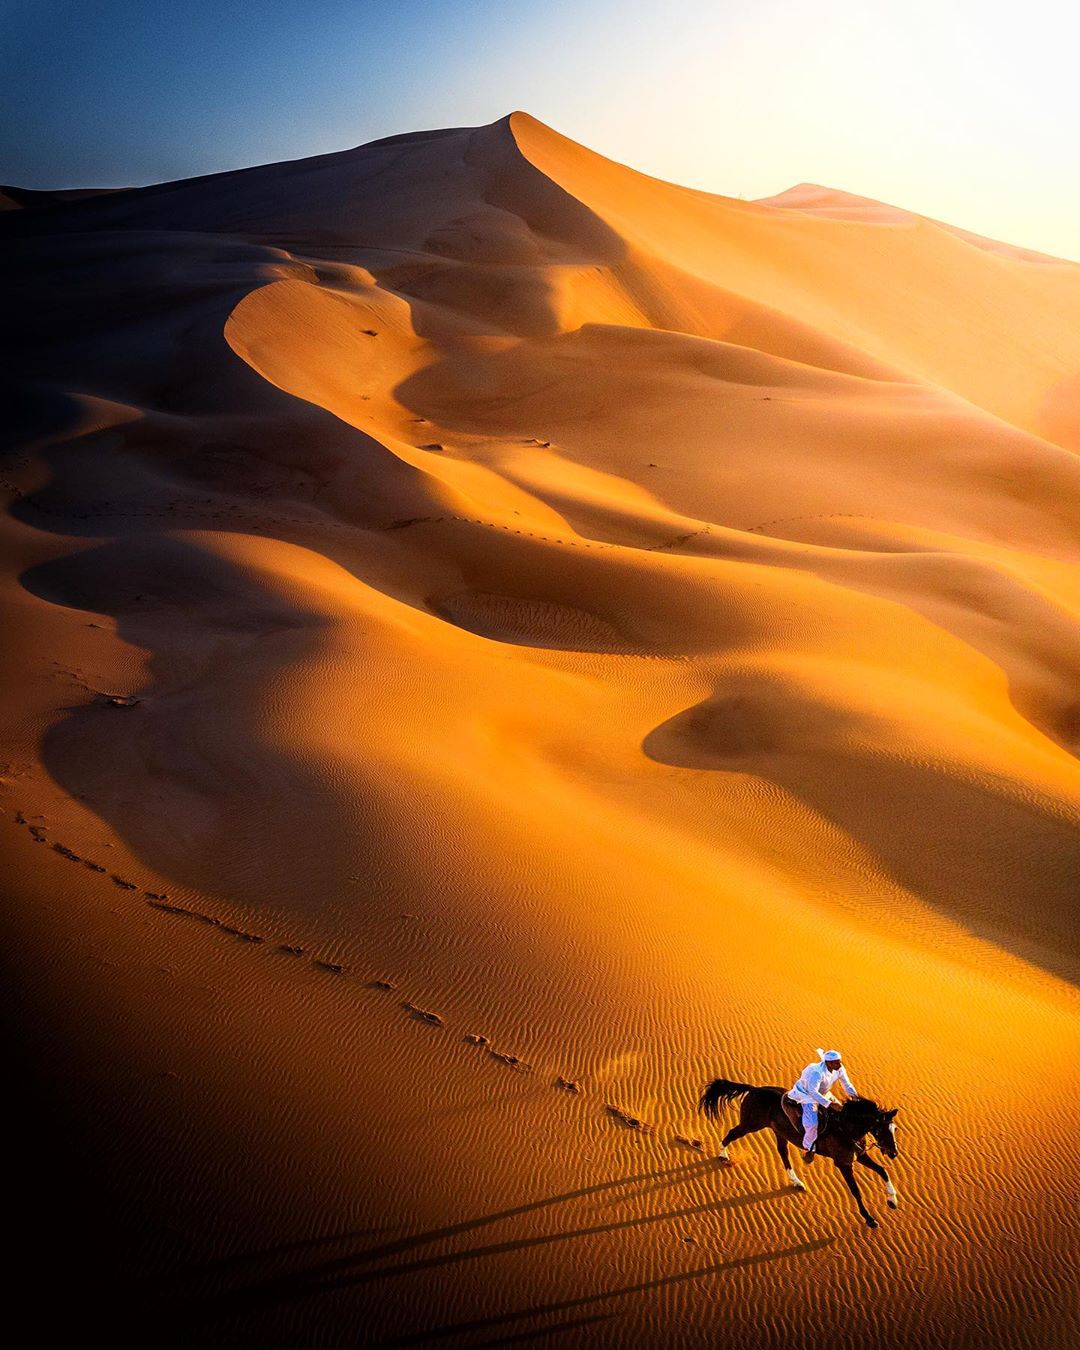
column 491, row 642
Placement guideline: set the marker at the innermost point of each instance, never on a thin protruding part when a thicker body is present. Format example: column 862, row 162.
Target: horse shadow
column 383, row 1261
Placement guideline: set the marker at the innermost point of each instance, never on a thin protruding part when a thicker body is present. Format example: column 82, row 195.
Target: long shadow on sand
column 341, row 1272
column 569, row 1305
column 519, row 1338
column 669, row 1176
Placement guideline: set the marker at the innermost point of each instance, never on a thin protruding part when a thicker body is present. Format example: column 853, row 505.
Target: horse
column 840, row 1137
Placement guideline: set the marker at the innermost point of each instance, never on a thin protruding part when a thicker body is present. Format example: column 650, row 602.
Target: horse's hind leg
column 891, row 1197
column 782, row 1149
column 750, row 1121
column 736, row 1132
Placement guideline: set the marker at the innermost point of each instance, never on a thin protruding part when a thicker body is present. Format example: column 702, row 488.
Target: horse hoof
column 871, row 1223
column 798, row 1186
column 723, row 1158
column 893, row 1204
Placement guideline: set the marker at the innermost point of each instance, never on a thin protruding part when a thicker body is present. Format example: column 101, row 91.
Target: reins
column 860, row 1148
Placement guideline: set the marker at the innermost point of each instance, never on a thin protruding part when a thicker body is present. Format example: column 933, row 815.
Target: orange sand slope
column 616, row 636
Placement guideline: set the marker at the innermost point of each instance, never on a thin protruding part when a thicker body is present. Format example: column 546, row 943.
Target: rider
column 812, row 1089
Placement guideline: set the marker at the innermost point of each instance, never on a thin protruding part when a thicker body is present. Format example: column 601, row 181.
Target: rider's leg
column 810, row 1125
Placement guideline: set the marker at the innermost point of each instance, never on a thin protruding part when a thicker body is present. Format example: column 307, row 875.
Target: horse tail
column 722, row 1090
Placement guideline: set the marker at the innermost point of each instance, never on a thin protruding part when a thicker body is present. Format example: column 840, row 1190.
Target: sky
column 965, row 110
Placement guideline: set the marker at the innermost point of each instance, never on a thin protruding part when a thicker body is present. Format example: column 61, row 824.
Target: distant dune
column 492, row 641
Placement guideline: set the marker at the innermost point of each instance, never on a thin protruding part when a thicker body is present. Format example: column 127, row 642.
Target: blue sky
column 969, row 111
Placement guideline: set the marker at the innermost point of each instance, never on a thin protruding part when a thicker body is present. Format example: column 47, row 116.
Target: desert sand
column 491, row 642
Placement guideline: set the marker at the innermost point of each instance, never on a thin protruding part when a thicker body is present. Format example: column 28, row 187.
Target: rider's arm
column 812, row 1084
column 848, row 1085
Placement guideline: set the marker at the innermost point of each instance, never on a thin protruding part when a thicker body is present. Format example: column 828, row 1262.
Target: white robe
column 811, row 1090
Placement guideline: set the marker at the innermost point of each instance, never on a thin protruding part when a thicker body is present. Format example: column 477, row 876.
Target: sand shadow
column 571, row 1305
column 34, row 415
column 554, row 1329
column 342, row 1271
column 670, row 1176
column 975, row 854
column 216, row 638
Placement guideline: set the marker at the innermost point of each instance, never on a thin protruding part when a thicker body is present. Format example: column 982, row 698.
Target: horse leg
column 750, row 1121
column 848, row 1174
column 782, row 1149
column 891, row 1197
column 736, row 1132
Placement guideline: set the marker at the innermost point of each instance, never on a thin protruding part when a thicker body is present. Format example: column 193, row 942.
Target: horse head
column 883, row 1129
column 863, row 1116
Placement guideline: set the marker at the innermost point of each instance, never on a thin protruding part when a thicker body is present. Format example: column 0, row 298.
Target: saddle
column 793, row 1111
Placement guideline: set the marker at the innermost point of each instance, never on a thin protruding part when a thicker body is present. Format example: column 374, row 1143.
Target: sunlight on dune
column 639, row 627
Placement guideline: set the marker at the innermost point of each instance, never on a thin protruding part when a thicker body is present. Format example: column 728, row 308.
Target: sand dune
column 494, row 641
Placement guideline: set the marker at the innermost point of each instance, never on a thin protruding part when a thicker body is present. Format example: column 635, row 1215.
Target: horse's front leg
column 891, row 1197
column 847, row 1172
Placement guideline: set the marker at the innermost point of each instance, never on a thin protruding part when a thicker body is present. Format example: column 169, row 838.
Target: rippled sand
column 493, row 641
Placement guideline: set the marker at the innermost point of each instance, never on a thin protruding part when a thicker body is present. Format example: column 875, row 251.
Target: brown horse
column 840, row 1138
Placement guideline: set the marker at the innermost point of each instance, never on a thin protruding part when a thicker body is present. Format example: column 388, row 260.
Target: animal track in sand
column 626, row 1119
column 511, row 1061
column 173, row 511
column 825, row 515
column 160, row 901
column 239, row 933
column 679, row 539
column 404, row 524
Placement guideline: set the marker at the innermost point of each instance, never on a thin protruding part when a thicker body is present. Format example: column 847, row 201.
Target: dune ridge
column 482, row 621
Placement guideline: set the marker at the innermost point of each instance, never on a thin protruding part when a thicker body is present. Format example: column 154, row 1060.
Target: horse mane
column 861, row 1106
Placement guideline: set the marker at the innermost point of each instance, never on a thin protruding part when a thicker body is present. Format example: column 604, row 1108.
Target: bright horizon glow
column 968, row 112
